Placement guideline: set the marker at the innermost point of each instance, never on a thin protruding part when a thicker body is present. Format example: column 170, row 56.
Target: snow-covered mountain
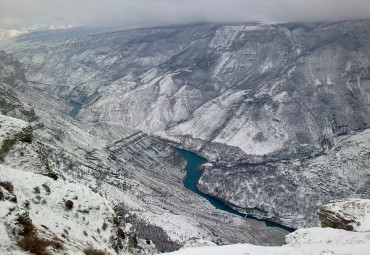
column 281, row 111
column 9, row 33
column 275, row 108
column 6, row 33
column 137, row 176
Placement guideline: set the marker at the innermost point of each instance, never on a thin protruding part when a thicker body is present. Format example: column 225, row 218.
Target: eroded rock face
column 11, row 75
column 348, row 214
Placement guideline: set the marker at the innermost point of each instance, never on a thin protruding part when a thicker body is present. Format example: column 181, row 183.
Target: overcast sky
column 14, row 13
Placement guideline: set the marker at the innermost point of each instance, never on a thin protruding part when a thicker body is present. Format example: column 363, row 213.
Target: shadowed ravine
column 193, row 173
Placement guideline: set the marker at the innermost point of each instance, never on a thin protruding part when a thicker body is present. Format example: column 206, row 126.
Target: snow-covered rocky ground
column 43, row 212
column 349, row 214
column 312, row 241
column 11, row 127
column 309, row 241
column 44, row 201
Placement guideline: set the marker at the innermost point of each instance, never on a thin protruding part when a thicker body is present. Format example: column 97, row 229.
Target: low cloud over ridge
column 17, row 13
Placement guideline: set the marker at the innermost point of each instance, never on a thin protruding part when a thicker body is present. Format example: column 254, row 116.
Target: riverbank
column 194, row 172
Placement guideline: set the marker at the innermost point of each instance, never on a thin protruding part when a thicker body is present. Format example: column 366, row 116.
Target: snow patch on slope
column 44, row 199
column 9, row 127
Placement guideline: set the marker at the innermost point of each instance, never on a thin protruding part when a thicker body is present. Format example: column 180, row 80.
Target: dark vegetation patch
column 154, row 233
column 36, row 190
column 30, row 241
column 330, row 219
column 51, row 175
column 24, row 136
column 8, row 186
column 46, row 187
column 68, row 204
column 105, row 225
column 45, row 162
column 91, row 251
column 27, row 204
column 7, row 144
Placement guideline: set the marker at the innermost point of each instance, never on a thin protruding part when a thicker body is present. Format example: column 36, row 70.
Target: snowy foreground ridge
column 42, row 213
column 311, row 240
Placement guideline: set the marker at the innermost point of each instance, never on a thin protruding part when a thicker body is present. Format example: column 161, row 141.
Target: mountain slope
column 140, row 176
column 43, row 214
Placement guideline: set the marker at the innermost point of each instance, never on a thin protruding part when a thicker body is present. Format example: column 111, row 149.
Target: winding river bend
column 193, row 173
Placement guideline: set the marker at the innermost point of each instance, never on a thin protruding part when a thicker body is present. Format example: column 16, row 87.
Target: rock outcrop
column 347, row 214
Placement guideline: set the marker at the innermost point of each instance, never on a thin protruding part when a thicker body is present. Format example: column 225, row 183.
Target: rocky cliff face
column 348, row 214
column 276, row 189
column 271, row 106
column 12, row 75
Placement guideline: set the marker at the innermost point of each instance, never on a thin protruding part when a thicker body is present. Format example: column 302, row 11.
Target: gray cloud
column 15, row 13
